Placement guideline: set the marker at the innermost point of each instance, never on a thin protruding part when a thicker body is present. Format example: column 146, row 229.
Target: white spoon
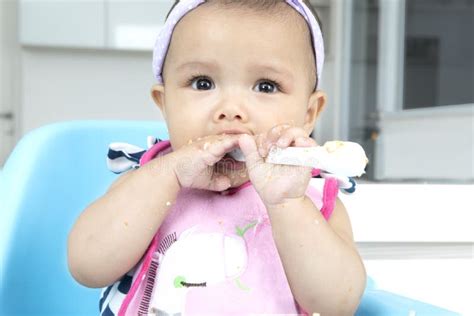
column 336, row 157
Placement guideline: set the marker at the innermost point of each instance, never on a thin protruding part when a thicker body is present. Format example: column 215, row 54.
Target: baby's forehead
column 251, row 21
column 279, row 11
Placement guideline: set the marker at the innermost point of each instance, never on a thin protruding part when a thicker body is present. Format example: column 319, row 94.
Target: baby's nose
column 229, row 116
column 231, row 112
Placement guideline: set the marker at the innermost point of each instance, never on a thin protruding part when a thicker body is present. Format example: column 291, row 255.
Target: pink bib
column 214, row 254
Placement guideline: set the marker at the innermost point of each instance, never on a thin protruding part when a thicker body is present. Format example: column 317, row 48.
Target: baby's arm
column 323, row 267
column 112, row 234
column 321, row 262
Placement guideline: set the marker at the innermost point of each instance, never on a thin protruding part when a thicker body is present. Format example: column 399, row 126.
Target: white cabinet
column 135, row 24
column 113, row 24
column 66, row 23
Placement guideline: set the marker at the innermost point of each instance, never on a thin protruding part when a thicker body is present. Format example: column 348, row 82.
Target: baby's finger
column 290, row 135
column 260, row 145
column 305, row 142
column 274, row 134
column 216, row 149
column 249, row 148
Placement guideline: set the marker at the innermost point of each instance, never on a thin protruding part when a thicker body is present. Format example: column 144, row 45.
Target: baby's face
column 233, row 69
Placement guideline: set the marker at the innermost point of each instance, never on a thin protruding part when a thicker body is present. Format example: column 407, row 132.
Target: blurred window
column 411, row 88
column 439, row 50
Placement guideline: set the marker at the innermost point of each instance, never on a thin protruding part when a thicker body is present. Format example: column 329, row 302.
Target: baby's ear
column 158, row 95
column 316, row 104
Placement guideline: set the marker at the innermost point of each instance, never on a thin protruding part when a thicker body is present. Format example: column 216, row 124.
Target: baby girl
column 191, row 230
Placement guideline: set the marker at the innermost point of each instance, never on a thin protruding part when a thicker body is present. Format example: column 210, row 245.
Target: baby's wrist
column 162, row 168
column 171, row 164
column 286, row 203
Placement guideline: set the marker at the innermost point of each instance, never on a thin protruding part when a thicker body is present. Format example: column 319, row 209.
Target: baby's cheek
column 178, row 135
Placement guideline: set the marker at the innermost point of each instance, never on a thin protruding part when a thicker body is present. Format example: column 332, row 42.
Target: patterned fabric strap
column 345, row 184
column 123, row 156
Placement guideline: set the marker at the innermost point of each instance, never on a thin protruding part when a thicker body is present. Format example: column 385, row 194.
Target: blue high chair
column 51, row 176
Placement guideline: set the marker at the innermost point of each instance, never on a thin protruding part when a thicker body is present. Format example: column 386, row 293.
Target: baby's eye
column 201, row 83
column 267, row 86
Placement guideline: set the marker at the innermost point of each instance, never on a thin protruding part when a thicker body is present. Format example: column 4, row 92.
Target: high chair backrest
column 51, row 176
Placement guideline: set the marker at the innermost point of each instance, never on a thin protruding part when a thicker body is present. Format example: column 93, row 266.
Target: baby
column 194, row 231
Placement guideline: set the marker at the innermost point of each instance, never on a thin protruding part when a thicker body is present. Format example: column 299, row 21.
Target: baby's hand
column 275, row 183
column 193, row 163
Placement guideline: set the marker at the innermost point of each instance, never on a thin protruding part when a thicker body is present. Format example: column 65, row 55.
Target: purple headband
column 184, row 6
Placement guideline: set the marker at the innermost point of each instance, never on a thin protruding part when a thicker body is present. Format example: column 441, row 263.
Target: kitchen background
column 400, row 80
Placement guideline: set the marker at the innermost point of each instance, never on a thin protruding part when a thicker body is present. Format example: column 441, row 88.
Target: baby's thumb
column 248, row 147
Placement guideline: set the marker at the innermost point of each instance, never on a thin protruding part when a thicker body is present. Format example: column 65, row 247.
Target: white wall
column 9, row 77
column 427, row 144
column 72, row 84
column 416, row 240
